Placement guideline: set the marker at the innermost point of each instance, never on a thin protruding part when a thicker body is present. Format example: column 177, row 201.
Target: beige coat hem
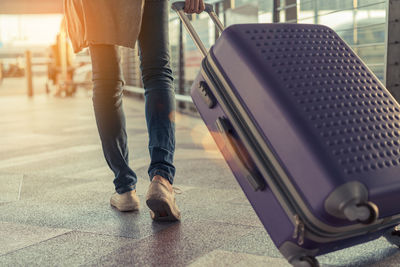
column 113, row 22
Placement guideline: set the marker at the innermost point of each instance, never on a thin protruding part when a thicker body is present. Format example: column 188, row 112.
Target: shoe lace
column 177, row 190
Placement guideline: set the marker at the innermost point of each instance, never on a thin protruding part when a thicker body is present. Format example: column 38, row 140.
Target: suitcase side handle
column 178, row 8
column 240, row 155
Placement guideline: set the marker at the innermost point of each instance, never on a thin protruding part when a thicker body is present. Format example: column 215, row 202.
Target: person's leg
column 107, row 101
column 159, row 90
column 160, row 109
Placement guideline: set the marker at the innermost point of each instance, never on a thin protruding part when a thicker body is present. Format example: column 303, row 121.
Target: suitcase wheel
column 350, row 201
column 306, row 261
column 373, row 212
column 393, row 236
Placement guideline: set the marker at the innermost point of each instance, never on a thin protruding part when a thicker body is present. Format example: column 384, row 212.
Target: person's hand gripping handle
column 194, row 6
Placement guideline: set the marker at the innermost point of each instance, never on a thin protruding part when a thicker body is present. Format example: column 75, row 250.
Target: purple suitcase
column 311, row 135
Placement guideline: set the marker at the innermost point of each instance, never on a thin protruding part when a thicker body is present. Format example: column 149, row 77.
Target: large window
column 242, row 11
column 361, row 23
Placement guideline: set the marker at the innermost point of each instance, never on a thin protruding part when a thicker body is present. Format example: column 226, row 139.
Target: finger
column 192, row 6
column 196, row 6
column 187, row 6
column 202, row 6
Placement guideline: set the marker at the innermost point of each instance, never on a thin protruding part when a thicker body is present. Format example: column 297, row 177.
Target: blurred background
column 361, row 23
column 54, row 181
column 33, row 41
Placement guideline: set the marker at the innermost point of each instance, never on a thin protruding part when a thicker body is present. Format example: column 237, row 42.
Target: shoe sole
column 124, row 208
column 159, row 207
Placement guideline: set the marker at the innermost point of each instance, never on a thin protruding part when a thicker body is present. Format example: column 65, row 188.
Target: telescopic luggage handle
column 179, row 7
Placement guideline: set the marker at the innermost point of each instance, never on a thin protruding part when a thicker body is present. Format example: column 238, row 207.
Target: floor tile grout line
column 135, row 240
column 20, row 187
column 109, row 235
column 78, row 231
column 138, row 240
column 232, row 224
column 246, row 253
column 219, row 247
column 34, row 244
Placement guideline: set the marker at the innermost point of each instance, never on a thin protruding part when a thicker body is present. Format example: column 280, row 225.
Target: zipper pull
column 299, row 230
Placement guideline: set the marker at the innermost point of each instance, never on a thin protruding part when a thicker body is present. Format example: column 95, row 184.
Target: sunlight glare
column 22, row 30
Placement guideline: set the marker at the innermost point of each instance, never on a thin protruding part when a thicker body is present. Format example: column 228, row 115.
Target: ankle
column 164, row 181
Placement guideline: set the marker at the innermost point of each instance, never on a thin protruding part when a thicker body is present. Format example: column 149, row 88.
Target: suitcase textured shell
column 325, row 116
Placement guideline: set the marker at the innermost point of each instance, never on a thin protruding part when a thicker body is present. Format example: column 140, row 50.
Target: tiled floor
column 55, row 188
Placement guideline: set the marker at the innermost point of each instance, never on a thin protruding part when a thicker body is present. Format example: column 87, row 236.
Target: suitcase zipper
column 317, row 230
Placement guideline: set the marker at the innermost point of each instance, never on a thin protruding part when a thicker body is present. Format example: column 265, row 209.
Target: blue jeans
column 159, row 99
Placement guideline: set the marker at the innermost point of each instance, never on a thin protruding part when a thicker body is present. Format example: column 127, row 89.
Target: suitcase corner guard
column 350, row 201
